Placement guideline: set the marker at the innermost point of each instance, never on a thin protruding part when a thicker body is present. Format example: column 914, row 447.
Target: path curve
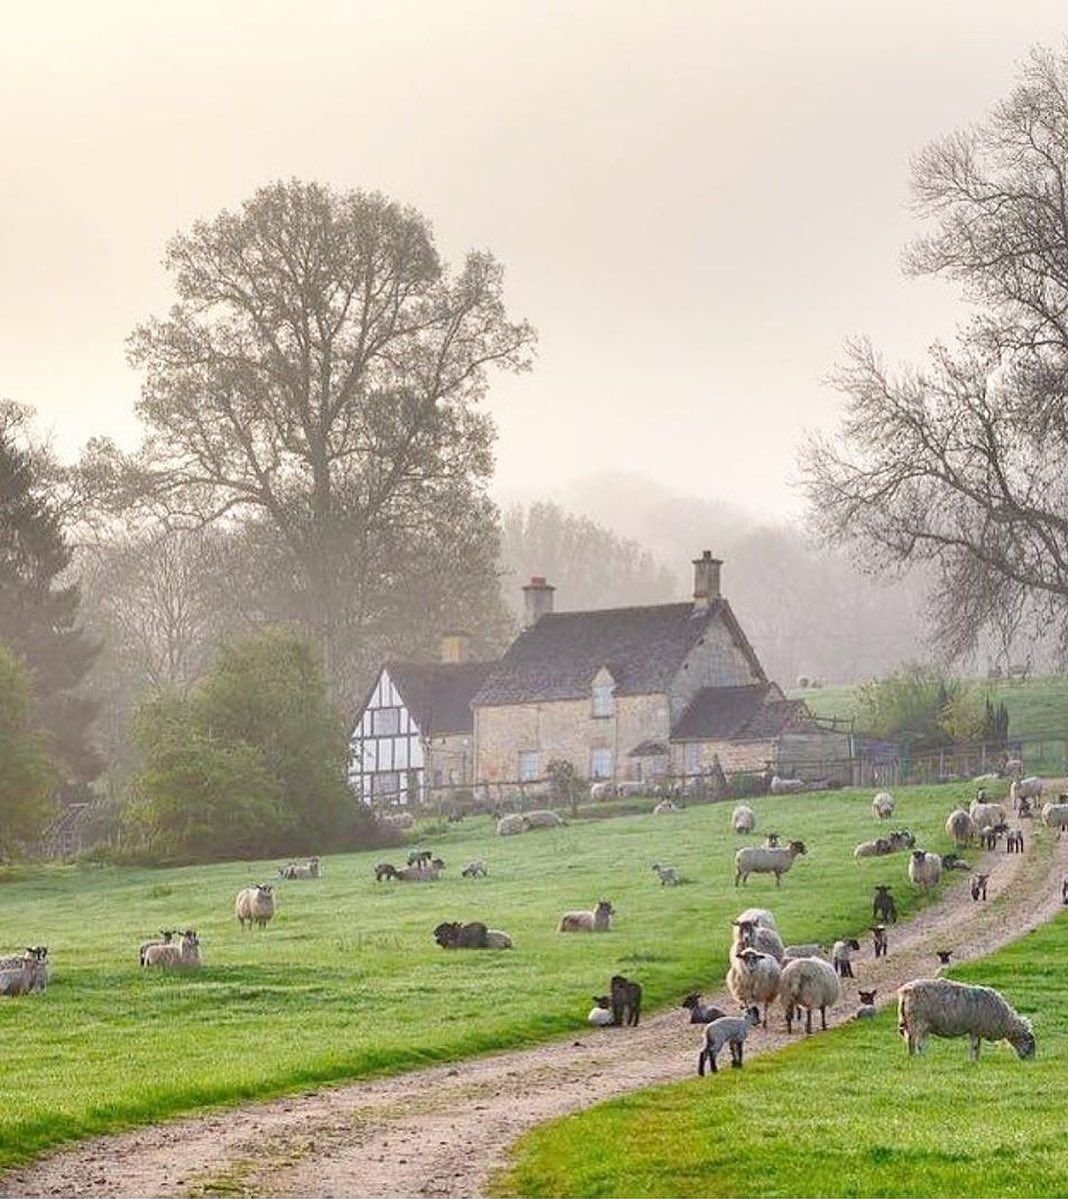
column 441, row 1131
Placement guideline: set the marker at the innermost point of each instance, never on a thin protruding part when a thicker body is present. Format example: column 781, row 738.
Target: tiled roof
column 739, row 714
column 438, row 694
column 642, row 647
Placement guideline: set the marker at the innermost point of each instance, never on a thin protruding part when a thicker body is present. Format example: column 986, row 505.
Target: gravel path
column 399, row 1136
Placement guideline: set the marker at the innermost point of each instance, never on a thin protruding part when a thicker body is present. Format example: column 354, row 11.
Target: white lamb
column 753, row 979
column 743, row 819
column 760, row 860
column 808, row 983
column 727, row 1030
column 925, row 869
column 882, row 806
column 943, row 1008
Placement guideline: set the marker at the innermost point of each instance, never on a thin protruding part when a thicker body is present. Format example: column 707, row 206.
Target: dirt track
column 399, row 1136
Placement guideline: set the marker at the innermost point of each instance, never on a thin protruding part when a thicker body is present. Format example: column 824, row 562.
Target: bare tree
column 960, row 463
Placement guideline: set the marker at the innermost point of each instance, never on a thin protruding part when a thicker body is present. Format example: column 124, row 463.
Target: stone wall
column 715, row 662
column 733, row 756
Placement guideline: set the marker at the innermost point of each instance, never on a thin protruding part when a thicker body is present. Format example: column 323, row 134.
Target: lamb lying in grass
column 943, row 1008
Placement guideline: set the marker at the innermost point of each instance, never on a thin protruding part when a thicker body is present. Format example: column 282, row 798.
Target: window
column 600, row 763
column 386, row 785
column 385, row 722
column 693, row 758
column 604, row 703
column 528, row 765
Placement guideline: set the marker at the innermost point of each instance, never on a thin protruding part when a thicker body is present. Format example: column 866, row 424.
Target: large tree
column 319, row 378
column 960, row 462
column 28, row 776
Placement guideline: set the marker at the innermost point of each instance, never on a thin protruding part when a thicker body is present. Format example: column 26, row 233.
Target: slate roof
column 438, row 694
column 642, row 647
column 740, row 714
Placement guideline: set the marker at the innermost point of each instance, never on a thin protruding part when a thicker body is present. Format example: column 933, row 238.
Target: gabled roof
column 438, row 694
column 642, row 647
column 740, row 714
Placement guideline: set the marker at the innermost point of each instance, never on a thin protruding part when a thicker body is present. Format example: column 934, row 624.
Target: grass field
column 842, row 1114
column 348, row 981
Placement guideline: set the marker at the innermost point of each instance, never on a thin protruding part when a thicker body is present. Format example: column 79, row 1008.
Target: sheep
column 867, row 1004
column 943, row 956
column 542, row 818
column 900, row 839
column 626, row 1000
column 873, row 849
column 986, row 815
column 255, row 904
column 166, row 936
column 925, row 869
column 601, row 1013
column 475, row 869
column 753, row 978
column 743, row 819
column 759, row 916
column 961, row 827
column 759, row 860
column 749, row 935
column 979, row 882
column 668, row 875
column 781, row 786
column 882, row 806
column 23, row 975
column 1055, row 815
column 727, row 1030
column 508, row 826
column 1028, row 788
column 666, row 807
column 451, row 934
column 631, row 787
column 841, row 957
column 313, row 868
column 883, row 907
column 184, row 954
column 808, row 983
column 597, row 921
column 384, row 871
column 879, row 940
column 943, row 1008
column 1014, row 842
column 699, row 1012
column 419, row 874
column 950, row 861
column 420, row 858
column 602, row 790
column 809, row 950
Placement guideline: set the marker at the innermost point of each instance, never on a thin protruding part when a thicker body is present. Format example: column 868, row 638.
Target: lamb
column 961, row 827
column 1055, row 815
column 753, row 978
column 873, row 849
column 943, row 956
column 979, row 882
column 602, row 790
column 166, row 936
column 601, row 1013
column 626, row 1000
column 950, row 861
column 384, row 871
column 759, row 916
column 842, row 957
column 743, row 819
column 666, row 807
column 313, row 868
column 727, row 1030
column 943, row 1008
column 759, row 860
column 1014, row 842
column 699, row 1012
column 882, row 806
column 809, row 983
column 867, row 1004
column 771, row 840
column 397, row 820
column 597, row 921
column 986, row 815
column 542, row 819
column 668, row 875
column 879, row 940
column 925, row 869
column 184, row 954
column 255, row 904
column 26, row 973
column 781, row 786
column 475, row 869
column 883, row 907
column 749, row 935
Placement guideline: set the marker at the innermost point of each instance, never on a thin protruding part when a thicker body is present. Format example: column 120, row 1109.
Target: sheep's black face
column 1025, row 1047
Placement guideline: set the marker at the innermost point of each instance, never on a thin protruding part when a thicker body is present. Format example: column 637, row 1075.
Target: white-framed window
column 386, row 785
column 604, row 703
column 600, row 763
column 528, row 765
column 692, row 763
column 385, row 722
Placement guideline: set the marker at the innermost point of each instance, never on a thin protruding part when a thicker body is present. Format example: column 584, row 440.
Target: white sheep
column 986, row 815
column 743, row 819
column 313, row 868
column 601, row 1013
column 475, row 869
column 809, row 950
column 759, row 916
column 753, row 978
column 184, row 954
column 808, row 983
column 668, row 875
column 256, row 905
column 508, row 826
column 760, row 860
column 24, row 973
column 748, row 935
column 882, row 806
column 1055, row 815
column 781, row 786
column 166, row 936
column 727, row 1030
column 542, row 818
column 602, row 790
column 1028, row 788
column 943, row 1008
column 925, row 869
column 961, row 827
column 631, row 787
column 666, row 807
column 597, row 921
column 496, row 939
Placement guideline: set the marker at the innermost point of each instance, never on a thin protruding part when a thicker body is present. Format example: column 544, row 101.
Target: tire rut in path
column 441, row 1131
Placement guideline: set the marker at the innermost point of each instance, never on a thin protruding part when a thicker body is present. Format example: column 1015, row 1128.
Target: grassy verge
column 846, row 1113
column 348, row 982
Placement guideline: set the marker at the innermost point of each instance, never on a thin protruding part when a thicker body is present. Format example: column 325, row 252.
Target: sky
column 695, row 203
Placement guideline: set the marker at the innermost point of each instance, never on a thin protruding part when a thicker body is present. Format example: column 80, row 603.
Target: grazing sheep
column 879, row 940
column 166, row 936
column 760, row 860
column 1055, row 815
column 666, row 807
column 668, row 875
column 727, row 1030
column 753, row 978
column 943, row 1008
column 882, row 806
column 25, row 973
column 597, row 921
column 601, row 1013
column 743, row 819
column 602, row 790
column 759, row 916
column 808, row 983
column 925, row 869
column 255, row 904
column 475, row 869
column 944, row 955
column 781, row 786
column 883, row 907
column 867, row 1004
column 747, row 934
column 451, row 934
column 979, row 886
column 509, row 826
column 961, row 827
column 986, row 815
column 542, row 818
column 384, row 871
column 419, row 874
column 626, row 1000
column 1014, row 842
column 809, row 950
column 842, row 957
column 699, row 1013
column 177, row 955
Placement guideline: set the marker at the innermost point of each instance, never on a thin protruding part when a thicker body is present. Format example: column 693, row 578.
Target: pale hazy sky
column 695, row 202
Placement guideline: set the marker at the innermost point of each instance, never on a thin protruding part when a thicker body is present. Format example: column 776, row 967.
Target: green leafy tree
column 921, row 707
column 566, row 783
column 28, row 775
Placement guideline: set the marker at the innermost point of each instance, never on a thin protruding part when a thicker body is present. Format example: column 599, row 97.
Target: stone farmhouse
column 622, row 693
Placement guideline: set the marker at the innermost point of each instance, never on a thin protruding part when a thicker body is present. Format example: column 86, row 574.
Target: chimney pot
column 538, row 600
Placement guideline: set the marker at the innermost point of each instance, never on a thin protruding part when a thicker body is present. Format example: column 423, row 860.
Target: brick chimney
column 705, row 580
column 539, row 600
column 455, row 646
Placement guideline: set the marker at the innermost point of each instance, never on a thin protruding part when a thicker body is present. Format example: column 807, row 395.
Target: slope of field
column 348, row 981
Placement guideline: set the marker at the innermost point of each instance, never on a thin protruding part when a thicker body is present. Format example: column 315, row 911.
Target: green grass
column 348, row 982
column 841, row 1114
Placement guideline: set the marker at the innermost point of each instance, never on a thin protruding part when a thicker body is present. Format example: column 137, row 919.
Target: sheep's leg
column 823, row 1014
column 738, row 878
column 790, row 1017
column 808, row 1019
column 701, row 1062
column 736, row 1055
column 778, row 879
column 974, row 1049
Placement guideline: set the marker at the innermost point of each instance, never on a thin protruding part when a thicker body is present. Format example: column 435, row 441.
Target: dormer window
column 604, row 703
